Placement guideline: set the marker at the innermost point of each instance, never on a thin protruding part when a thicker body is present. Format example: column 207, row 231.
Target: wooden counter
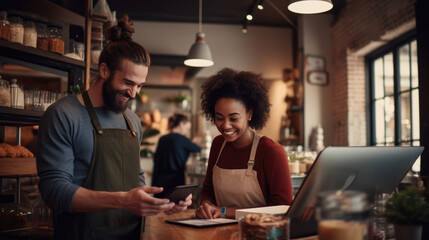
column 157, row 229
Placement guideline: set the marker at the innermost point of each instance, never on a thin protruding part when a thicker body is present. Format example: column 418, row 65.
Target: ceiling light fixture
column 249, row 16
column 199, row 55
column 261, row 5
column 310, row 6
column 244, row 29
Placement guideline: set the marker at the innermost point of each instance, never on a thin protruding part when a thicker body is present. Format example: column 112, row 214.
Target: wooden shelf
column 19, row 117
column 17, row 166
column 38, row 56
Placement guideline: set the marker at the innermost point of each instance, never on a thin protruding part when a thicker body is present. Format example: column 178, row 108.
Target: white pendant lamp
column 310, row 6
column 199, row 55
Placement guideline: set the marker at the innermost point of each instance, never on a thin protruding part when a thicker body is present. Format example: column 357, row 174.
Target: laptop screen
column 373, row 170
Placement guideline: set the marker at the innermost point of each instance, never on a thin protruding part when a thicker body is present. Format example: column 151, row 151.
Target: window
column 394, row 96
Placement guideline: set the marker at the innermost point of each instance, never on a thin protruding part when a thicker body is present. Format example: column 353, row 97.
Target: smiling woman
column 245, row 169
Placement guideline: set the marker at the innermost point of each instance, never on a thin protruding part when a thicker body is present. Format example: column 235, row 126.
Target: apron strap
column 94, row 118
column 129, row 124
column 91, row 111
column 221, row 149
column 251, row 161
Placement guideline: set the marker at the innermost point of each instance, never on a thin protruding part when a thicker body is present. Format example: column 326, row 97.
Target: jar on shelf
column 56, row 43
column 4, row 26
column 16, row 28
column 42, row 35
column 30, row 33
column 96, row 41
column 4, row 93
column 16, row 95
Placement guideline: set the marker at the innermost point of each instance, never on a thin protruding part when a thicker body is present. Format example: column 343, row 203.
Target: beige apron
column 238, row 187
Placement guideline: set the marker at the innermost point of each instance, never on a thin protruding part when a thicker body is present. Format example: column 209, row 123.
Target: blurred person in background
column 171, row 154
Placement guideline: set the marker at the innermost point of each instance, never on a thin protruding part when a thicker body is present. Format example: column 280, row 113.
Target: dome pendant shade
column 199, row 55
column 310, row 6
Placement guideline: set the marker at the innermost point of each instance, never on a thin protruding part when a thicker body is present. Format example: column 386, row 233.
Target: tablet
column 181, row 192
column 202, row 222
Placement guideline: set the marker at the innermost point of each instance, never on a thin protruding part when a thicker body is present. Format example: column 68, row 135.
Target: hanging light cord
column 281, row 13
column 200, row 16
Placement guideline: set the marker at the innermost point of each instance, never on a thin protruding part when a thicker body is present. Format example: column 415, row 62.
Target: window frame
column 392, row 47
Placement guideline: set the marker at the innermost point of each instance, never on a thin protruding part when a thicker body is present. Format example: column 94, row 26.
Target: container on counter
column 42, row 35
column 4, row 93
column 16, row 28
column 30, row 32
column 343, row 215
column 56, row 43
column 4, row 26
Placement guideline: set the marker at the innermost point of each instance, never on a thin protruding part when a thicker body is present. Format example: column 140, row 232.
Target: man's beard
column 111, row 99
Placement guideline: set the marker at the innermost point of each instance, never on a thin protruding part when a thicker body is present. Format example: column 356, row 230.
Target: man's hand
column 181, row 206
column 208, row 210
column 139, row 202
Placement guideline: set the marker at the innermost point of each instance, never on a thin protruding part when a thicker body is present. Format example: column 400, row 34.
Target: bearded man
column 88, row 151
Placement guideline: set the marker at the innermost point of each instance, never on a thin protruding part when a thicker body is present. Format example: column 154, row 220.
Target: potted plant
column 181, row 101
column 407, row 210
column 75, row 89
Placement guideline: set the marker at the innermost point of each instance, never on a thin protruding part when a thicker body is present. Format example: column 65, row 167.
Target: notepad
column 201, row 223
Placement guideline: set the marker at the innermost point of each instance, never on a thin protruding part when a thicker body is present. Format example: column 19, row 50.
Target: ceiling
column 214, row 11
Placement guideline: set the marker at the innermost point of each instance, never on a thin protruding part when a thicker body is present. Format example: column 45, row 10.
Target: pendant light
column 199, row 55
column 310, row 6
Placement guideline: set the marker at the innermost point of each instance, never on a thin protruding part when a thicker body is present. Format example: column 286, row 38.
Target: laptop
column 373, row 170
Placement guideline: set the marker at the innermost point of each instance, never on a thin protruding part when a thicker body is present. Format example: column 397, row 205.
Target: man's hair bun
column 122, row 31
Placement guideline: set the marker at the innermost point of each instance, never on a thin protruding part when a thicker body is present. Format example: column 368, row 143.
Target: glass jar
column 30, row 33
column 4, row 26
column 56, row 43
column 96, row 41
column 4, row 93
column 42, row 35
column 16, row 28
column 343, row 215
column 263, row 226
column 29, row 98
column 16, row 95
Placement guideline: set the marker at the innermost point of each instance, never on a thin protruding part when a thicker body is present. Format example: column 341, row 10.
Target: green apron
column 115, row 167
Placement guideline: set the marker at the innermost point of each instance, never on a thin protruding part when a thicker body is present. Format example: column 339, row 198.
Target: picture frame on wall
column 318, row 77
column 314, row 63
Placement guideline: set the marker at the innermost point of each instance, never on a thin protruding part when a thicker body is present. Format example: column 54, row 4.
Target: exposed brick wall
column 357, row 25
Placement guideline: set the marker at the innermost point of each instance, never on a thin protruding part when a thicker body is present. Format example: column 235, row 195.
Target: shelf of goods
column 73, row 67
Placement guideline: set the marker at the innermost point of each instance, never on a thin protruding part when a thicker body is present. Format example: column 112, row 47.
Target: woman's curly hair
column 247, row 87
column 121, row 46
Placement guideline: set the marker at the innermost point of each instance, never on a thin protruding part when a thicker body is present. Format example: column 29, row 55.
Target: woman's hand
column 208, row 210
column 181, row 206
